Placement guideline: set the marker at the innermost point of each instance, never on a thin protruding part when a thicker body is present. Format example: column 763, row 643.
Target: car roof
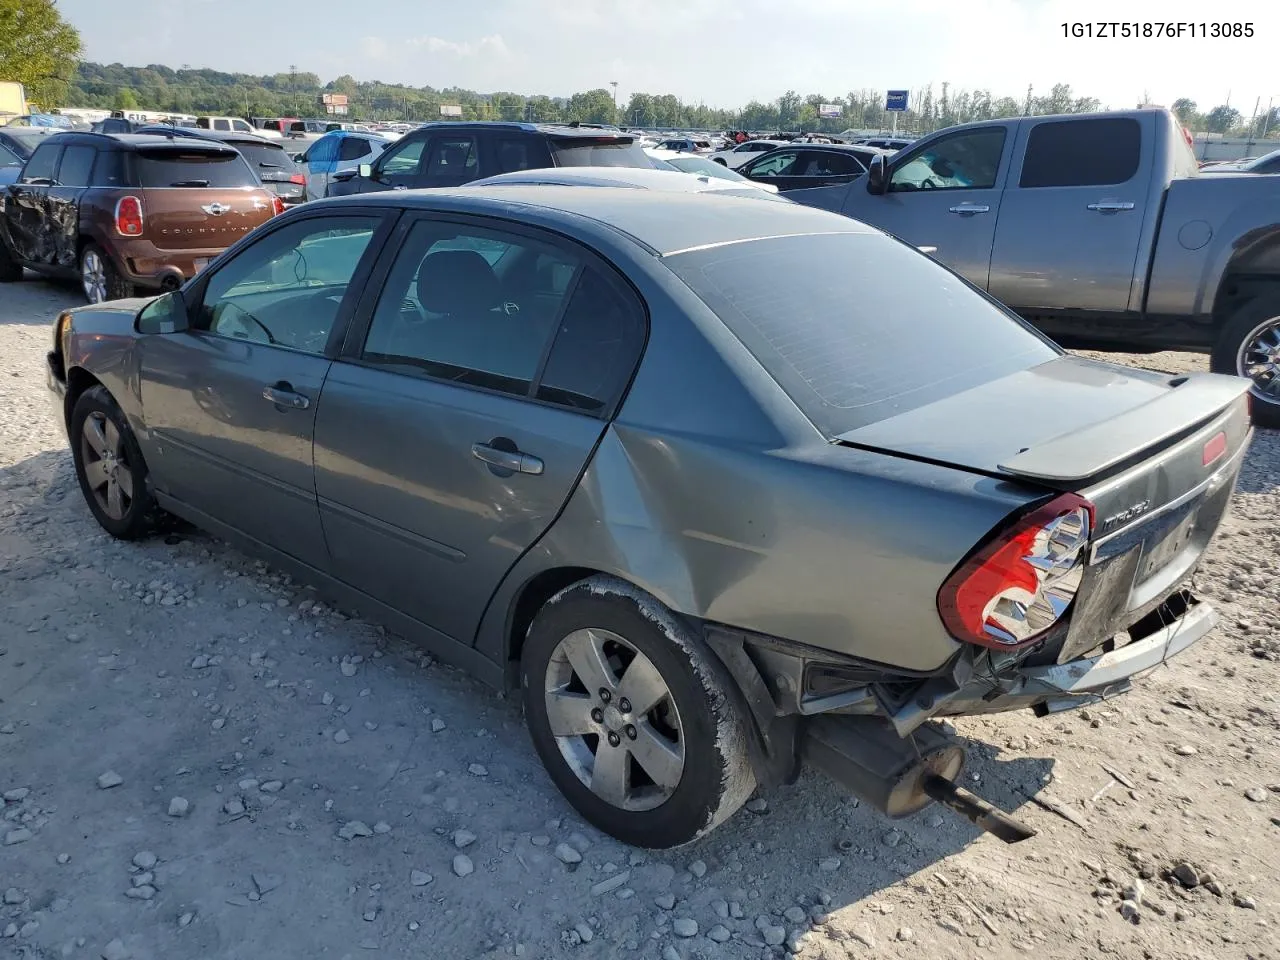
column 641, row 178
column 148, row 140
column 546, row 129
column 663, row 221
column 199, row 133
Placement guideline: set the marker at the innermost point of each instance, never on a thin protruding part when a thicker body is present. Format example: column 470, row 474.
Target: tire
column 697, row 718
column 100, row 281
column 1256, row 323
column 10, row 269
column 125, row 508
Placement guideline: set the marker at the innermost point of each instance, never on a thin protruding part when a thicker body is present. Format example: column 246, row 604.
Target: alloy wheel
column 1258, row 359
column 106, row 466
column 614, row 719
column 93, row 277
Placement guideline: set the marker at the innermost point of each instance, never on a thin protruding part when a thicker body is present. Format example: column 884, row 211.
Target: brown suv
column 123, row 211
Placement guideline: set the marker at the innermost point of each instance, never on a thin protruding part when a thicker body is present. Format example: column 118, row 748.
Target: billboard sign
column 896, row 101
column 829, row 111
column 450, row 110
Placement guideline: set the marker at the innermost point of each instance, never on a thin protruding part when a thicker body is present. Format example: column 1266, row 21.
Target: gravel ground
column 199, row 759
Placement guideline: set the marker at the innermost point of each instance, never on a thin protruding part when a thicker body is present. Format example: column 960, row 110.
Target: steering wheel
column 928, row 183
column 237, row 318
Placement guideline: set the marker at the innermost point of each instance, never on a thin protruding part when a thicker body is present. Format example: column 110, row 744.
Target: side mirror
column 365, row 170
column 878, row 175
column 167, row 313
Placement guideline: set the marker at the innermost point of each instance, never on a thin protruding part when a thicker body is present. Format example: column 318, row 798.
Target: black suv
column 448, row 154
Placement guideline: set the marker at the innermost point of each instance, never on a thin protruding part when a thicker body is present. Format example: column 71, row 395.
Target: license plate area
column 1163, row 551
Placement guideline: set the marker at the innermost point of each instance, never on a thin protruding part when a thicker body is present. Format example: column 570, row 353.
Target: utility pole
column 614, row 84
column 293, row 82
column 1027, row 111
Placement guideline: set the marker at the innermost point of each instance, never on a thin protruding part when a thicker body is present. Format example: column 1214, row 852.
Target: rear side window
column 76, row 165
column 1082, row 153
column 108, row 170
column 840, row 346
column 192, row 168
column 42, row 163
column 598, row 152
column 522, row 153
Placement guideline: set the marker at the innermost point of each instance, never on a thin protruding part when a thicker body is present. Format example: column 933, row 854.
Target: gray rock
column 109, row 779
column 951, row 927
column 437, row 724
column 462, row 865
column 420, row 878
column 264, row 883
column 463, row 839
column 144, row 892
column 185, row 919
column 773, row 935
column 684, row 927
column 233, row 807
column 579, row 842
column 145, row 859
column 584, row 931
column 1256, row 794
column 795, row 915
column 1243, row 902
column 1135, row 892
column 146, row 878
column 116, row 950
column 64, row 858
column 905, row 934
column 200, row 662
column 758, row 805
column 829, row 864
column 671, row 953
column 566, row 854
column 17, row 795
column 540, row 840
column 478, row 770
column 13, row 896
column 611, row 883
column 382, row 827
column 272, row 786
column 341, row 736
column 698, row 869
column 735, row 910
column 354, row 828
column 348, row 668
column 719, row 933
column 1185, row 750
column 10, row 931
column 248, row 783
column 892, row 838
column 1130, row 911
column 21, row 835
column 179, row 807
column 721, row 908
column 666, row 901
column 327, row 698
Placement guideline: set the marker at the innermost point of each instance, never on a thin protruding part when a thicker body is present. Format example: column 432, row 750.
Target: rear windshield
column 264, row 157
column 192, row 168
column 857, row 328
column 598, row 152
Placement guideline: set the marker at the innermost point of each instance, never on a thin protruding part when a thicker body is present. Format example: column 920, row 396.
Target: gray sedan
column 720, row 486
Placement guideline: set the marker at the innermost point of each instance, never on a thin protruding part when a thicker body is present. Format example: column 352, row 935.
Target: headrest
column 457, row 281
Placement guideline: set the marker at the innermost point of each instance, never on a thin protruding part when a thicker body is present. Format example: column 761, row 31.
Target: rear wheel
column 1249, row 346
column 109, row 466
column 633, row 716
column 99, row 278
column 10, row 269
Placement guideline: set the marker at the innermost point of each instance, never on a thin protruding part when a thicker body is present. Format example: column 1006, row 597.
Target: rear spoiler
column 1086, row 453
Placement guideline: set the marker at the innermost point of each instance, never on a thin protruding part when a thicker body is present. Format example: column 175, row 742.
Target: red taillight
column 1021, row 581
column 298, row 178
column 277, row 206
column 1214, row 449
column 129, row 220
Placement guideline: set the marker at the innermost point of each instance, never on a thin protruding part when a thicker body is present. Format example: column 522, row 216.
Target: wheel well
column 533, row 597
column 1238, row 289
column 78, row 381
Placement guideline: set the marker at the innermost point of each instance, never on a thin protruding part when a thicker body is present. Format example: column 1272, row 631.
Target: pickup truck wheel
column 109, row 466
column 633, row 716
column 99, row 278
column 10, row 270
column 1249, row 346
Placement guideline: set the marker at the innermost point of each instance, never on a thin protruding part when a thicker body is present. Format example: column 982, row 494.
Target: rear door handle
column 512, row 460
column 1111, row 206
column 284, row 395
column 969, row 209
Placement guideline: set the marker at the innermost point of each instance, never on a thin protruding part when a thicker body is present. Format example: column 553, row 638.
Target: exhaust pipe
column 900, row 776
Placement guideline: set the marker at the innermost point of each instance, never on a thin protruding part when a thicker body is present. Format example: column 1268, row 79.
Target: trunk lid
column 191, row 218
column 1157, row 455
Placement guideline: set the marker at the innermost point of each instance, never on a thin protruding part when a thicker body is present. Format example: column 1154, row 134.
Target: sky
column 719, row 52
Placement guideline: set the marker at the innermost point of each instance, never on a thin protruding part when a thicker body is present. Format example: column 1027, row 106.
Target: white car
column 686, row 145
column 638, row 178
column 736, row 156
column 701, row 166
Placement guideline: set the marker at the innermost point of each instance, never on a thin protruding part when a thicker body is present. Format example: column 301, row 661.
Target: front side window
column 1082, row 153
column 470, row 306
column 76, row 165
column 286, row 290
column 404, row 159
column 962, row 161
column 776, row 165
column 829, row 164
column 43, row 162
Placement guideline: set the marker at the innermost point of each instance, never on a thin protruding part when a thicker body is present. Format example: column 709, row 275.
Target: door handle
column 284, row 395
column 969, row 209
column 1111, row 206
column 512, row 460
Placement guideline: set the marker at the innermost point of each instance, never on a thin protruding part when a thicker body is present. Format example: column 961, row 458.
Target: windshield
column 268, row 159
column 191, row 168
column 855, row 327
column 598, row 152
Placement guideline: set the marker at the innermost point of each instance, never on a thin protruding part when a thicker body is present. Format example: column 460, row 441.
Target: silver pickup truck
column 1097, row 229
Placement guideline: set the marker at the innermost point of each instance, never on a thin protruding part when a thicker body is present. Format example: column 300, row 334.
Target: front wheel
column 633, row 717
column 109, row 466
column 1249, row 346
